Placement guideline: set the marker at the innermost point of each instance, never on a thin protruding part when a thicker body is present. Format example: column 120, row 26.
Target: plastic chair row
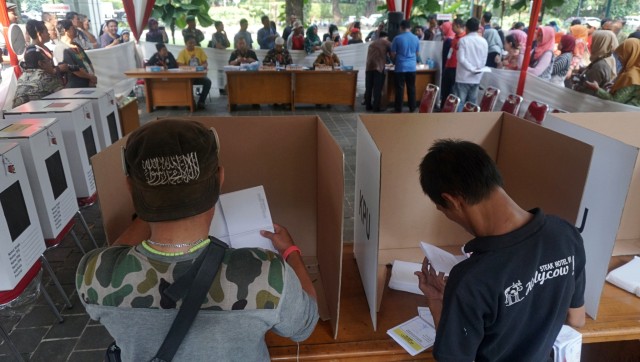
column 536, row 112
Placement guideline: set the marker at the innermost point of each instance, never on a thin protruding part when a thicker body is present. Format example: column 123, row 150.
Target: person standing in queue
column 404, row 52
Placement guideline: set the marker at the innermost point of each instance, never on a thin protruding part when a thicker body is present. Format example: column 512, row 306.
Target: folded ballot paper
column 416, row 334
column 627, row 276
column 240, row 216
column 403, row 277
column 442, row 261
column 567, row 346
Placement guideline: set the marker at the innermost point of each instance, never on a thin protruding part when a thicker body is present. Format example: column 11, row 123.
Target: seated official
column 279, row 55
column 39, row 77
column 162, row 58
column 174, row 178
column 194, row 56
column 327, row 57
column 525, row 272
column 242, row 54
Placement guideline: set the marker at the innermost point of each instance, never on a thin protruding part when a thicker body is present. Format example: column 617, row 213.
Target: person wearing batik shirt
column 278, row 56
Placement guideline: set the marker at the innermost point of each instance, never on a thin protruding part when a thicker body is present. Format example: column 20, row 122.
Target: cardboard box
column 301, row 168
column 45, row 158
column 622, row 126
column 79, row 132
column 540, row 167
column 105, row 110
column 21, row 241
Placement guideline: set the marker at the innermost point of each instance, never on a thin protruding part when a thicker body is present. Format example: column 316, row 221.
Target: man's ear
column 221, row 175
column 453, row 202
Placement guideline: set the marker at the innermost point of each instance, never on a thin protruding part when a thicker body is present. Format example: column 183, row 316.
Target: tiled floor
column 37, row 334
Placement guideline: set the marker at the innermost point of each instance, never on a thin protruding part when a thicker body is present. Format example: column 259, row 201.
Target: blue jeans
column 466, row 92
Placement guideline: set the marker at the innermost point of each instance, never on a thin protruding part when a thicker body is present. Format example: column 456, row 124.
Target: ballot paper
column 416, row 334
column 240, row 216
column 567, row 346
column 442, row 261
column 403, row 277
column 627, row 276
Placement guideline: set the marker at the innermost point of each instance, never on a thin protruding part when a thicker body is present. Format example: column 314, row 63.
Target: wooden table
column 618, row 320
column 291, row 87
column 259, row 87
column 167, row 88
column 324, row 87
column 128, row 114
column 423, row 77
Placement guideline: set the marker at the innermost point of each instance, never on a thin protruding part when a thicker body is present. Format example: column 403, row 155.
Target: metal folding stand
column 86, row 229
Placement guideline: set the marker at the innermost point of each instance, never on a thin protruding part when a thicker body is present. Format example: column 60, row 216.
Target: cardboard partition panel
column 301, row 168
column 541, row 168
column 45, row 158
column 21, row 241
column 622, row 126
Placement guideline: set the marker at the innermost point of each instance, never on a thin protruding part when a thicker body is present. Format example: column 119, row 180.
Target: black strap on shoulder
column 193, row 300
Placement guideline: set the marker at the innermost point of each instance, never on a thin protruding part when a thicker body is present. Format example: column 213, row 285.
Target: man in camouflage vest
column 174, row 179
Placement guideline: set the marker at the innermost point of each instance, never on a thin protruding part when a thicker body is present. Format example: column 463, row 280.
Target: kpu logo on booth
column 365, row 216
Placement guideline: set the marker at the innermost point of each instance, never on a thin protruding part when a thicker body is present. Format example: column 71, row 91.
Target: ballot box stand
column 79, row 133
column 105, row 110
column 45, row 159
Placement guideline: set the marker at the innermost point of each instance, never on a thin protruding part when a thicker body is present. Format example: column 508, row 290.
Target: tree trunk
column 294, row 7
column 370, row 8
column 337, row 15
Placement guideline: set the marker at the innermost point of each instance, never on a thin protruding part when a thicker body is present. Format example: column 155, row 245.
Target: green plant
column 175, row 12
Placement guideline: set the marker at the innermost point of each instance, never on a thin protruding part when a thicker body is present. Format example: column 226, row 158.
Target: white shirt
column 472, row 57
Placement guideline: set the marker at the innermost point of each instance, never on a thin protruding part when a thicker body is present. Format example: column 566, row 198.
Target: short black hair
column 70, row 15
column 512, row 41
column 576, row 22
column 264, row 17
column 405, row 24
column 459, row 22
column 111, row 21
column 34, row 27
column 472, row 25
column 243, row 21
column 32, row 58
column 64, row 25
column 217, row 23
column 189, row 37
column 519, row 25
column 459, row 168
column 487, row 16
column 383, row 34
column 603, row 21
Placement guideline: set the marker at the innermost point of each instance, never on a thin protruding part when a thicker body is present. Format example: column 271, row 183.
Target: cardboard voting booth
column 540, row 167
column 21, row 242
column 302, row 174
column 45, row 158
column 105, row 110
column 80, row 137
column 622, row 126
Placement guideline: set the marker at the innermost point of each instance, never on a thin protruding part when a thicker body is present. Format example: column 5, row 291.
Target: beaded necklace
column 196, row 246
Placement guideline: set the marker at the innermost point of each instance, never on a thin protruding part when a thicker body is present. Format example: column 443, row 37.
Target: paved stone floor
column 37, row 334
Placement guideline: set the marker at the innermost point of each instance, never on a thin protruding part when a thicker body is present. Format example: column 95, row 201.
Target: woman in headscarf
column 626, row 88
column 495, row 47
column 562, row 64
column 542, row 59
column 447, row 36
column 312, row 41
column 521, row 38
column 581, row 52
column 39, row 78
column 155, row 34
column 603, row 66
column 328, row 57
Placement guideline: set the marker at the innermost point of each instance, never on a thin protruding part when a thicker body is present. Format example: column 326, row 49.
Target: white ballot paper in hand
column 416, row 334
column 240, row 216
column 442, row 261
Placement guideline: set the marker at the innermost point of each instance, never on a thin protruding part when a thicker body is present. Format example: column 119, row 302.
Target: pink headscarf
column 447, row 30
column 521, row 37
column 547, row 43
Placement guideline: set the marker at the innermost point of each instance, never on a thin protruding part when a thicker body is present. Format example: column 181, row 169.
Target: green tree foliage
column 175, row 12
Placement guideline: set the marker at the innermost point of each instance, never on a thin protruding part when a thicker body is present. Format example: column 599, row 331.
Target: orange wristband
column 290, row 250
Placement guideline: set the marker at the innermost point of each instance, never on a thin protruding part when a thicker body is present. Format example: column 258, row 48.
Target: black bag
column 201, row 273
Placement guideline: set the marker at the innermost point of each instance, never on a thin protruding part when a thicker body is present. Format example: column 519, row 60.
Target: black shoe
column 201, row 106
column 223, row 92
